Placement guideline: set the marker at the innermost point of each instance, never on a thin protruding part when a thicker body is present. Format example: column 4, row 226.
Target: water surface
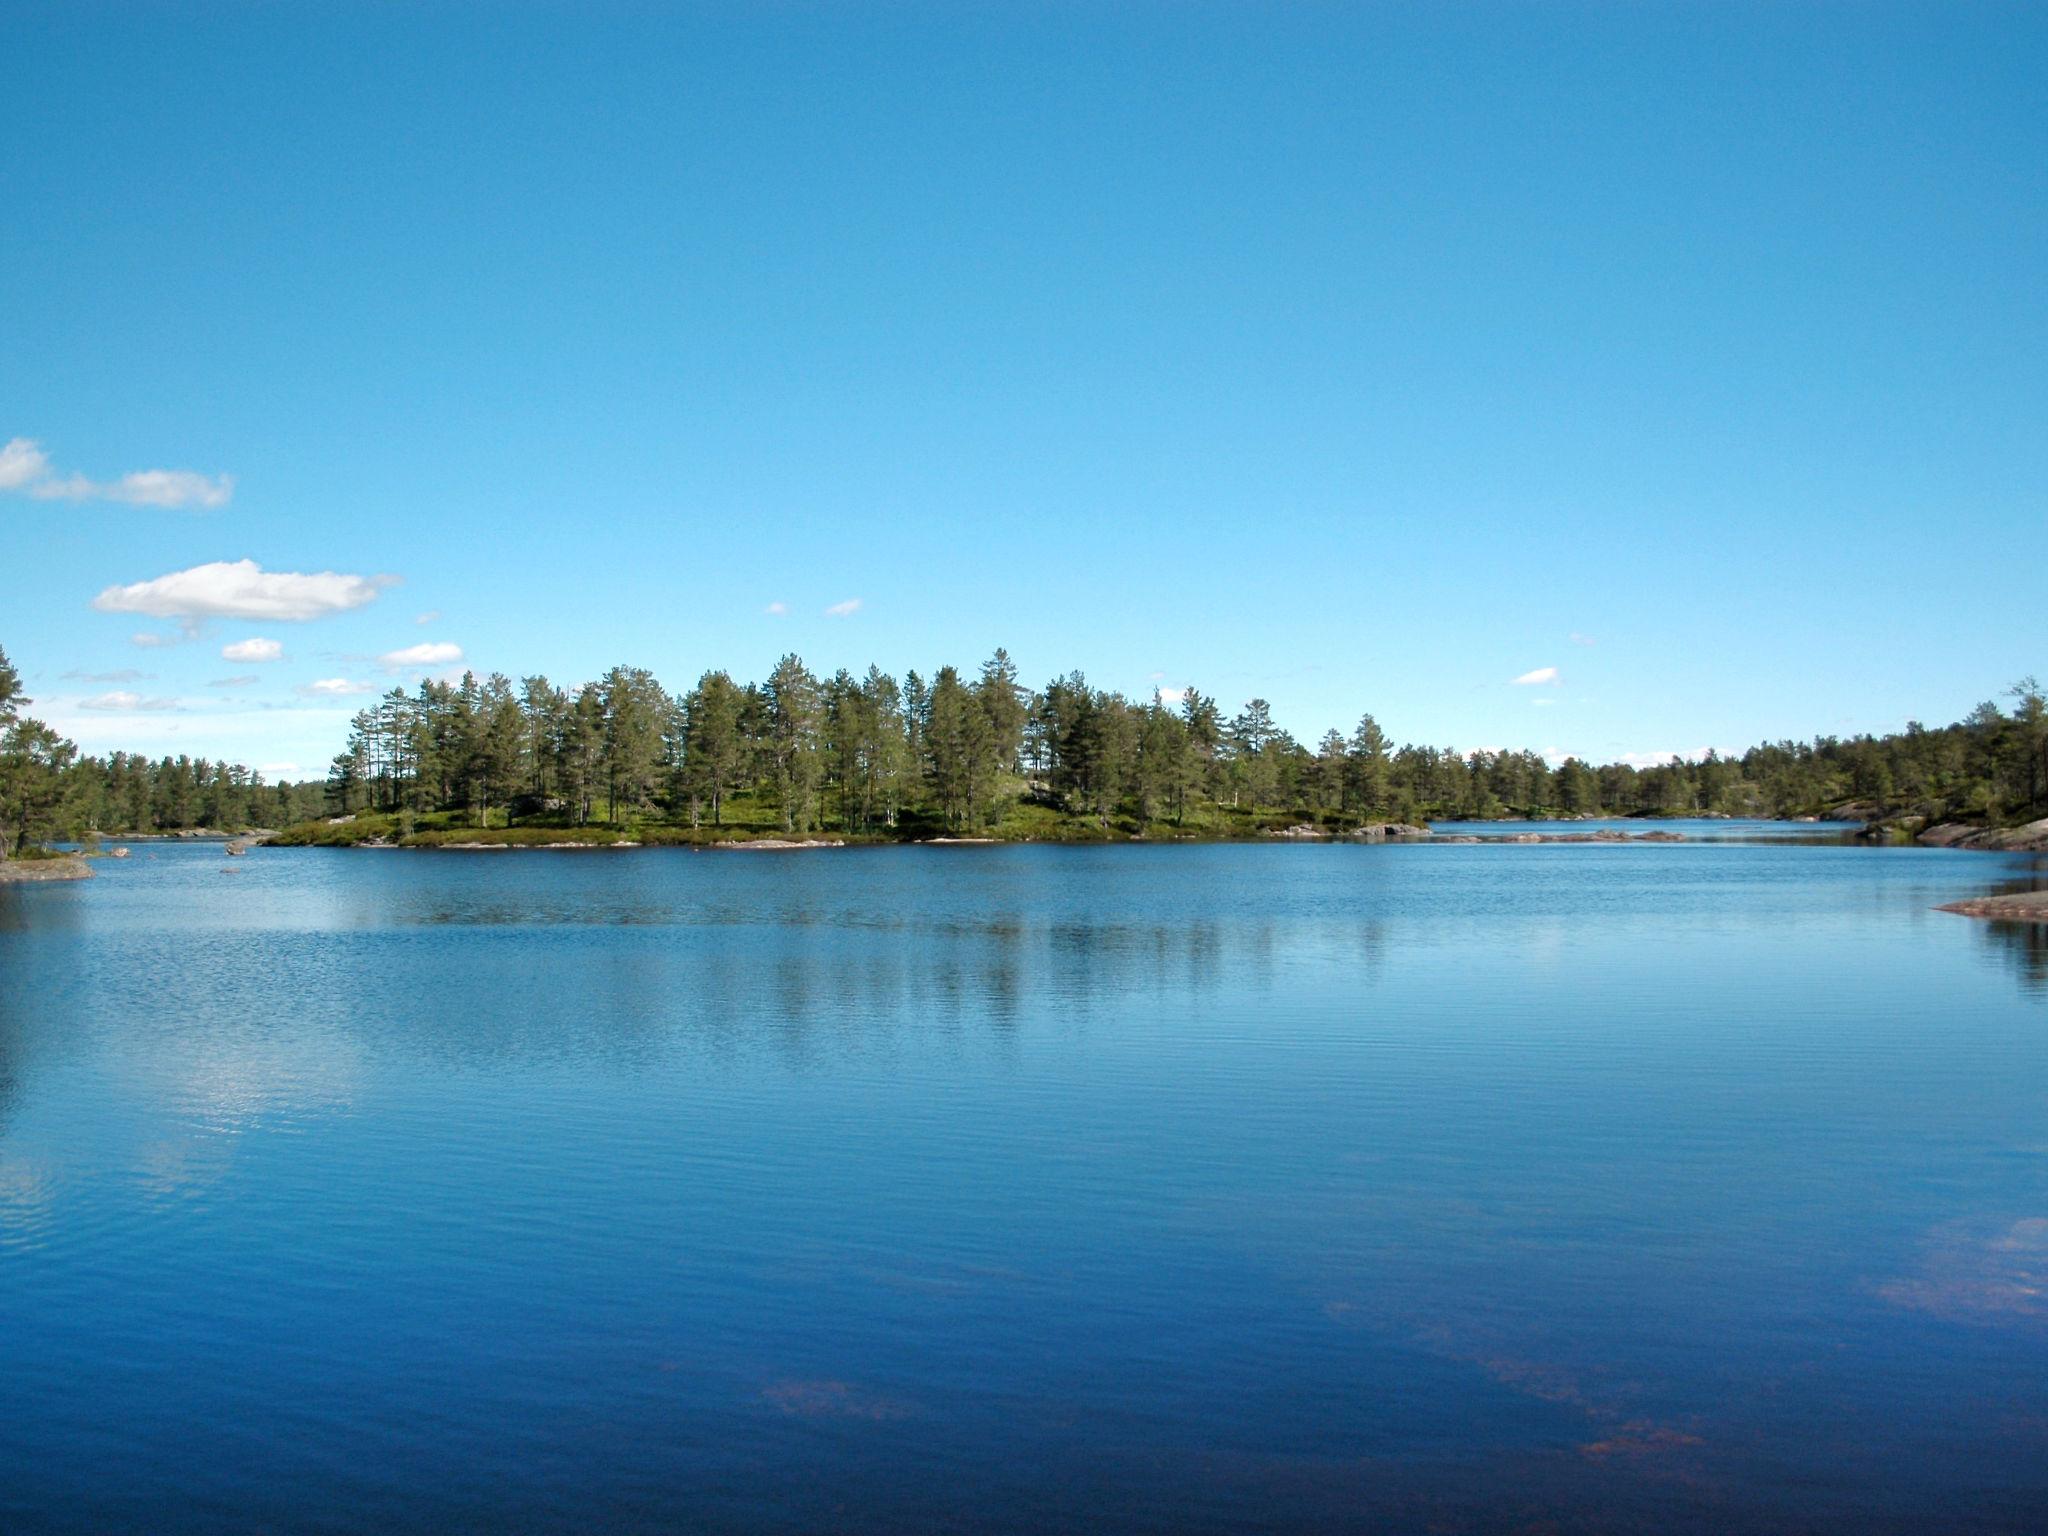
column 1696, row 1187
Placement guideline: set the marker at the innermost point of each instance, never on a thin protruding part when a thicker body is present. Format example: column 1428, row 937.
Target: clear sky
column 1359, row 357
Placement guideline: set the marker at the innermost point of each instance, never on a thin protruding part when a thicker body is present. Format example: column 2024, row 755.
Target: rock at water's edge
column 2023, row 907
column 2031, row 838
column 25, row 871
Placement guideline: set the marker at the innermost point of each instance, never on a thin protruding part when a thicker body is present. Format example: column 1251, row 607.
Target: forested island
column 981, row 755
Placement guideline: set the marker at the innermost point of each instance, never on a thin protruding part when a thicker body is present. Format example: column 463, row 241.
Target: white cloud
column 1543, row 703
column 124, row 701
column 428, row 617
column 246, row 680
column 125, row 675
column 22, row 464
column 843, row 610
column 1578, row 639
column 777, row 608
column 1172, row 695
column 1538, row 678
column 25, row 467
column 149, row 641
column 1663, row 759
column 253, row 650
column 334, row 688
column 276, row 771
column 242, row 589
column 429, row 653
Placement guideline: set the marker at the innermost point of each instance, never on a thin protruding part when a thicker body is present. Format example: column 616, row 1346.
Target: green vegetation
column 48, row 792
column 868, row 759
column 983, row 756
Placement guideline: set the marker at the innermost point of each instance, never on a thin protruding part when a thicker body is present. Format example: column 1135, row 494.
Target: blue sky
column 1357, row 357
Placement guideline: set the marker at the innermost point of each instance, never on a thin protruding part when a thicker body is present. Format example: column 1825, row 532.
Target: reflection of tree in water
column 2024, row 946
column 19, row 987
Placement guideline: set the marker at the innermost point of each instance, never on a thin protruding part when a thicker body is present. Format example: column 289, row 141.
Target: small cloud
column 428, row 617
column 1543, row 703
column 843, row 610
column 150, row 642
column 776, row 609
column 1578, row 639
column 334, row 688
column 25, row 467
column 122, row 701
column 22, row 464
column 242, row 589
column 245, row 680
column 1540, row 677
column 276, row 771
column 125, row 675
column 1155, row 677
column 428, row 653
column 1172, row 695
column 253, row 650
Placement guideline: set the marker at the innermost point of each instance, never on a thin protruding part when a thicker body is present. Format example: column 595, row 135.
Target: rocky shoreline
column 2020, row 907
column 32, row 871
column 1882, row 825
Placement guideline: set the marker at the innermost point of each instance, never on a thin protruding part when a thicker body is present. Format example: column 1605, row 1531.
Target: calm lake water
column 1695, row 1188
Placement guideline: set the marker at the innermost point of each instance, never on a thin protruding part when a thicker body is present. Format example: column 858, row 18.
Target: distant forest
column 985, row 754
column 979, row 755
column 49, row 792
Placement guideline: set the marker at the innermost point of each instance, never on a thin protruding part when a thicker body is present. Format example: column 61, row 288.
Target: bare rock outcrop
column 2030, row 838
column 2020, row 907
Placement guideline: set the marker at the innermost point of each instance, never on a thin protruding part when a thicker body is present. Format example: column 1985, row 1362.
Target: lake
column 1695, row 1188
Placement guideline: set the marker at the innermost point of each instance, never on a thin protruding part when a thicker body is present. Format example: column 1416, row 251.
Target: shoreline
column 39, row 871
column 2020, row 907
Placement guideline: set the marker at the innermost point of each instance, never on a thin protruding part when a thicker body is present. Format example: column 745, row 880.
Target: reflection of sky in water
column 1677, row 1188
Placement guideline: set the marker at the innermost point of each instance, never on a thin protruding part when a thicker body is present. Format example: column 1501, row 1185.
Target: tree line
column 869, row 754
column 49, row 792
column 960, row 752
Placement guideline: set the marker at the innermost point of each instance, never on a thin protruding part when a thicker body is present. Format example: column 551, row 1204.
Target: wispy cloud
column 334, row 688
column 843, row 610
column 777, row 609
column 149, row 641
column 428, row 617
column 122, row 701
column 246, row 680
column 242, row 589
column 253, row 650
column 24, row 467
column 1540, row 677
column 428, row 653
column 124, row 675
column 1172, row 695
column 1578, row 639
column 1543, row 703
